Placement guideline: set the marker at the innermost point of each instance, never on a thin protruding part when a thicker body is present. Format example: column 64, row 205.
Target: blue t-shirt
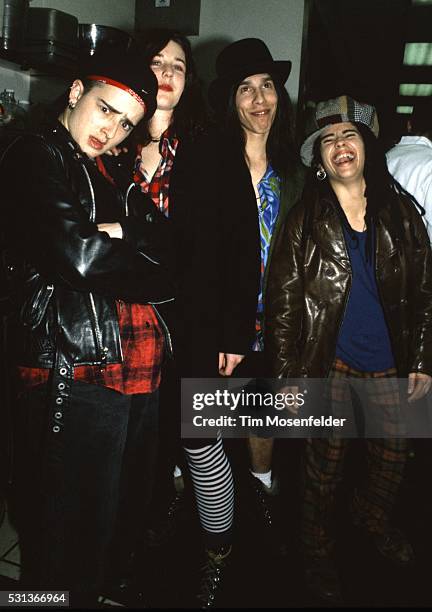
column 364, row 341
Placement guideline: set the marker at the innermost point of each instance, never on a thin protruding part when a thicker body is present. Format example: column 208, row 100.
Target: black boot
column 266, row 499
column 124, row 585
column 267, row 502
column 322, row 579
column 211, row 575
column 163, row 528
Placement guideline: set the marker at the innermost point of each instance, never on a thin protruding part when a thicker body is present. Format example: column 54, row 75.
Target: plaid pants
column 324, row 462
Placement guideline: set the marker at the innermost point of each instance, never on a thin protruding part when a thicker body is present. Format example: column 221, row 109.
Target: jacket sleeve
column 239, row 284
column 421, row 271
column 52, row 229
column 285, row 299
column 239, row 252
column 147, row 229
column 217, row 243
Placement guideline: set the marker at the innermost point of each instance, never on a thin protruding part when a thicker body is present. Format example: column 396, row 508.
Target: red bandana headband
column 108, row 81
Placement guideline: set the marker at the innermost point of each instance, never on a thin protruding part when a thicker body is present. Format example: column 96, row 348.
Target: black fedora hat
column 239, row 60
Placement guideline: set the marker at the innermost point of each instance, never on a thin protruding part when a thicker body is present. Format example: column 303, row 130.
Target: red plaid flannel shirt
column 142, row 346
column 158, row 186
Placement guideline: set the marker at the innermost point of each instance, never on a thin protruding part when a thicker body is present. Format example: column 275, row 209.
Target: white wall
column 19, row 81
column 278, row 22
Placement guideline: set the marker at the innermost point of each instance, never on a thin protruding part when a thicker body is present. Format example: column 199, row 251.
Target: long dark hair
column 189, row 117
column 381, row 188
column 381, row 191
column 280, row 148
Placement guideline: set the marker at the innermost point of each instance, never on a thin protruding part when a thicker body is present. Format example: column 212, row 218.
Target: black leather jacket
column 310, row 280
column 64, row 275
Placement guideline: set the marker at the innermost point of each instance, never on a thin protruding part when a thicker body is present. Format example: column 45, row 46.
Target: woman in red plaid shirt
column 171, row 162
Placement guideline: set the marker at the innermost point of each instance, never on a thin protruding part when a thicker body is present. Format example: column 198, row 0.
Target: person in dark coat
column 253, row 111
column 350, row 299
column 85, row 272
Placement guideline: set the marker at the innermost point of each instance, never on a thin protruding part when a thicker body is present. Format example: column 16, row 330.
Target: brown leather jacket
column 309, row 284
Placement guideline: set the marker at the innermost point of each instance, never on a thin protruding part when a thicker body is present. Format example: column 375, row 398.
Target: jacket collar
column 415, row 140
column 62, row 136
column 328, row 233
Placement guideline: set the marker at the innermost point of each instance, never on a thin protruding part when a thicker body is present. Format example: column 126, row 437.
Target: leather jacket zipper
column 344, row 309
column 162, row 302
column 93, row 201
column 165, row 330
column 103, row 351
column 128, row 190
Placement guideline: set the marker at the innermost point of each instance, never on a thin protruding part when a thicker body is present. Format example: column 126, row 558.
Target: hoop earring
column 321, row 174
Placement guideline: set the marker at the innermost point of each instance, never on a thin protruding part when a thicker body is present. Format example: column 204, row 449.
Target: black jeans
column 70, row 485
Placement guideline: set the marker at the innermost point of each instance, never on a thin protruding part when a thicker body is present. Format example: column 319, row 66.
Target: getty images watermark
column 244, row 399
column 301, row 408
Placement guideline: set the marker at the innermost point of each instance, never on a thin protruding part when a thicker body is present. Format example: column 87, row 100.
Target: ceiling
column 358, row 47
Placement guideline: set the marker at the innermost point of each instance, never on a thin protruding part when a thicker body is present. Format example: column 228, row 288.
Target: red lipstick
column 165, row 87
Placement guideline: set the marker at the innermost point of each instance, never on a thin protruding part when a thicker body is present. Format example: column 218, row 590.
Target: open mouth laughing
column 342, row 158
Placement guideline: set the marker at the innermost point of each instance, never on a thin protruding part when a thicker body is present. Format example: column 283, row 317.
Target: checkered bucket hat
column 337, row 110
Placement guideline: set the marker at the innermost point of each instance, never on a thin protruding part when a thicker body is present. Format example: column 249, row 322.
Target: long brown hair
column 189, row 117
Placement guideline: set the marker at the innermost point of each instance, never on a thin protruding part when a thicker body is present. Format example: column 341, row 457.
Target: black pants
column 70, row 484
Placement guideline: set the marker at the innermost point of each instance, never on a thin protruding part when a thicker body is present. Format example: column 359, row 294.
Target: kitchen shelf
column 17, row 60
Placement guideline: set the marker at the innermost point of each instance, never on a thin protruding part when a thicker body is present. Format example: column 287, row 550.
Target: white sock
column 177, row 472
column 265, row 477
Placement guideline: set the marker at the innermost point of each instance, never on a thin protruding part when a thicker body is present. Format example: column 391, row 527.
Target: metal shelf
column 55, row 66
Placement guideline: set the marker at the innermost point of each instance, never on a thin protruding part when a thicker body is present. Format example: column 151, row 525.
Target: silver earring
column 71, row 105
column 321, row 174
